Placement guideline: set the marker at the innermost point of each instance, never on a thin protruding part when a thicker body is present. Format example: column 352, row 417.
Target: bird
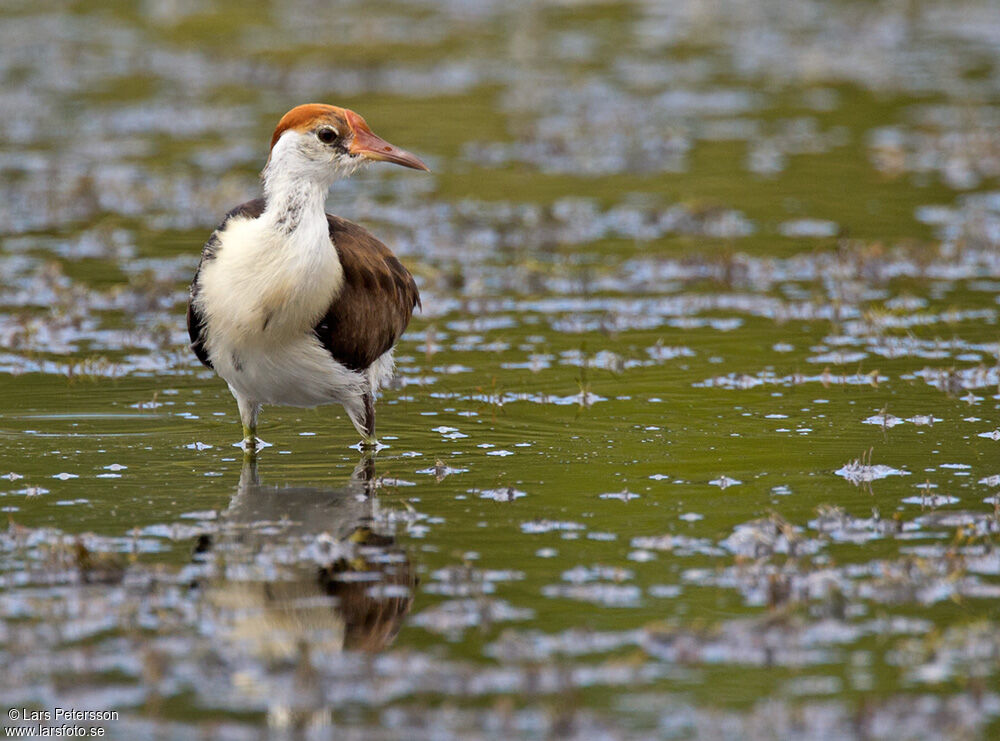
column 269, row 617
column 291, row 305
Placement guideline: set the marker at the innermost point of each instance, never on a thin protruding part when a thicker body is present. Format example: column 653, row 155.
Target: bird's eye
column 326, row 135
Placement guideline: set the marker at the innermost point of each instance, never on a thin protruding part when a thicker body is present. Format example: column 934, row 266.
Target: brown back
column 372, row 310
column 376, row 302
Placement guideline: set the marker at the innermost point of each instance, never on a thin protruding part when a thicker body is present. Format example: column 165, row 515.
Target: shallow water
column 696, row 435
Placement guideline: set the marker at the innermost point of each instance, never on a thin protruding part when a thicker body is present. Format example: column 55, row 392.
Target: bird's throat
column 292, row 205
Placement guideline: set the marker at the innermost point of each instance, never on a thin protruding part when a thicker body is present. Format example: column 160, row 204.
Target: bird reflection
column 295, row 571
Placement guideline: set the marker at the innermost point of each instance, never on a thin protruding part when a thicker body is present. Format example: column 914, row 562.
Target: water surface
column 696, row 435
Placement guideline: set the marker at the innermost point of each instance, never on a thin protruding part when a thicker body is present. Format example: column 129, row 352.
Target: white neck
column 295, row 187
column 293, row 203
column 275, row 276
column 296, row 181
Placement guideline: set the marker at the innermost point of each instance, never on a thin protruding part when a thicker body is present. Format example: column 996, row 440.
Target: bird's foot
column 369, row 445
column 251, row 444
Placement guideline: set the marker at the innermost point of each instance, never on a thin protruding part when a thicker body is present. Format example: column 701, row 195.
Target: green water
column 696, row 436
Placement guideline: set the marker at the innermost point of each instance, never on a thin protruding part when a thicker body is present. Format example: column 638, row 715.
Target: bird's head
column 324, row 143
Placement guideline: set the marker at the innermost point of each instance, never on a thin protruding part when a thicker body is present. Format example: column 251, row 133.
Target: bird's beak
column 372, row 147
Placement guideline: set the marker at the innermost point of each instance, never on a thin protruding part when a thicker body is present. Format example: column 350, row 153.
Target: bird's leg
column 368, row 441
column 250, row 441
column 361, row 411
column 249, row 411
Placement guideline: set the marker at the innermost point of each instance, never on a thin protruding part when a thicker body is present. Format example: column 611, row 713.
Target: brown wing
column 195, row 321
column 376, row 303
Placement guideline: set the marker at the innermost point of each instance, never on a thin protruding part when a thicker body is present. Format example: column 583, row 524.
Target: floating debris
column 883, row 420
column 763, row 538
column 503, row 494
column 453, row 617
column 808, row 228
column 441, row 470
column 862, row 471
column 547, row 526
column 624, row 496
column 724, row 482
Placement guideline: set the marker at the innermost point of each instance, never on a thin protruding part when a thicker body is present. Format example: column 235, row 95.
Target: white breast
column 267, row 286
column 261, row 296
